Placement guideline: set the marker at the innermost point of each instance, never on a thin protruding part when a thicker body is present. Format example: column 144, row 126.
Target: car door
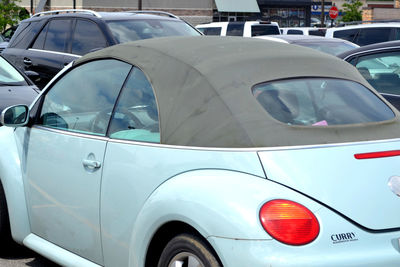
column 22, row 40
column 47, row 53
column 64, row 161
column 128, row 174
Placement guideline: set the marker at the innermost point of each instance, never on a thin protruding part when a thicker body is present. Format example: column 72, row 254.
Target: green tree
column 11, row 13
column 352, row 11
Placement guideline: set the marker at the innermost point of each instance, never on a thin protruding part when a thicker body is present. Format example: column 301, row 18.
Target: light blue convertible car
column 204, row 151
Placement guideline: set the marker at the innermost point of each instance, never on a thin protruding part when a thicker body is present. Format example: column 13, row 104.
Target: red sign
column 333, row 12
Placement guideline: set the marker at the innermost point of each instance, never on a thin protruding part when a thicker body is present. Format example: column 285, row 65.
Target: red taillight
column 374, row 155
column 289, row 222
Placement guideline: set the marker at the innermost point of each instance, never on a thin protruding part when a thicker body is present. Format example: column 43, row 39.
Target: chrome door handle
column 27, row 61
column 93, row 164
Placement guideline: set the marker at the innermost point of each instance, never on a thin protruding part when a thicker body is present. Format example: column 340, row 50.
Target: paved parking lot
column 23, row 257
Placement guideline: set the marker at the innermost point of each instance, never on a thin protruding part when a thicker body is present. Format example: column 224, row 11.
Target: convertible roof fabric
column 203, row 89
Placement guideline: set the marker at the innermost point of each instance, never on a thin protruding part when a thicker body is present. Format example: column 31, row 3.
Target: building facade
column 288, row 13
column 195, row 11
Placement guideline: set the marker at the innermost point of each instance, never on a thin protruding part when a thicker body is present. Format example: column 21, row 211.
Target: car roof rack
column 154, row 12
column 64, row 11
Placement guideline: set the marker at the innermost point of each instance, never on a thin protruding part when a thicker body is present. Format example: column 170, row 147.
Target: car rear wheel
column 187, row 250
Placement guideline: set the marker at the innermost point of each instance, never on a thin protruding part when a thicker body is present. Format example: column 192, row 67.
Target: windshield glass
column 132, row 30
column 9, row 75
column 321, row 102
column 330, row 48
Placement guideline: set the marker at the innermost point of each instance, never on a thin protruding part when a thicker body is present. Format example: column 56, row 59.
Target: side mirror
column 15, row 116
column 34, row 76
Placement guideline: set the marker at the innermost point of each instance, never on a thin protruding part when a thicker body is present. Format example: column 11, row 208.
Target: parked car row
column 244, row 29
column 366, row 34
column 197, row 151
column 362, row 34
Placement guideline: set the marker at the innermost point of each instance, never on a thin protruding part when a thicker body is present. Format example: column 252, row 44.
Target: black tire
column 187, row 247
column 5, row 232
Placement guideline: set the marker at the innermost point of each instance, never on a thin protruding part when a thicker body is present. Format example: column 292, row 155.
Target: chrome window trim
column 220, row 149
column 54, row 52
column 253, row 149
column 76, row 134
column 382, row 50
column 389, row 94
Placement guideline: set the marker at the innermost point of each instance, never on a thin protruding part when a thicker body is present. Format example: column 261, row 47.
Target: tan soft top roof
column 203, row 88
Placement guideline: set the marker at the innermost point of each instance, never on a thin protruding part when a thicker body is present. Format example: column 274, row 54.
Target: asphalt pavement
column 21, row 256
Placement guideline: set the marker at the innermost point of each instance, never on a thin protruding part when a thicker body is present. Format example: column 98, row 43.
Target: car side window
column 83, row 99
column 87, row 37
column 211, row 31
column 136, row 116
column 295, row 32
column 235, row 29
column 263, row 29
column 8, row 33
column 381, row 71
column 373, row 35
column 39, row 42
column 348, row 35
column 57, row 35
column 24, row 34
column 396, row 34
column 319, row 32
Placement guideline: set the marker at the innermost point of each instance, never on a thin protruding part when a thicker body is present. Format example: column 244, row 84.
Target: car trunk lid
column 352, row 179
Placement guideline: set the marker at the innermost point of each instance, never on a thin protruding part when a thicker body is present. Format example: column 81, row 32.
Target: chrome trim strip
column 254, row 149
column 60, row 131
column 221, row 149
column 54, row 52
column 371, row 50
column 389, row 94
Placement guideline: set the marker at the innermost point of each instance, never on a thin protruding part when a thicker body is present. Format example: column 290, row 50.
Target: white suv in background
column 365, row 34
column 242, row 28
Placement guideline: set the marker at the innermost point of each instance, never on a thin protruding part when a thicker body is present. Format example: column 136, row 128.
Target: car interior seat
column 387, row 83
column 280, row 104
column 367, row 75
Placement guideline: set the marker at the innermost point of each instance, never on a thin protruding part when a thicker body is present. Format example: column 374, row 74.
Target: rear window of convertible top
column 321, row 102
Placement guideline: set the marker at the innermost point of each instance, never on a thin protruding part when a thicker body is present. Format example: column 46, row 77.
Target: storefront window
column 286, row 16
